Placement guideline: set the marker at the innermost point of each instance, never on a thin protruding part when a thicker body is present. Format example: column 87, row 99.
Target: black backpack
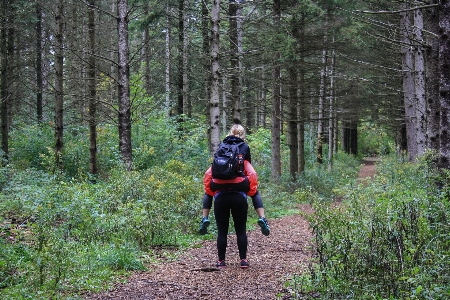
column 227, row 162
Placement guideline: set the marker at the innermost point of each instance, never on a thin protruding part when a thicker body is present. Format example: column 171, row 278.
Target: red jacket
column 249, row 172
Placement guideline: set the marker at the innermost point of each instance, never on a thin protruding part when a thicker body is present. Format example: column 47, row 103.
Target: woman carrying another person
column 230, row 196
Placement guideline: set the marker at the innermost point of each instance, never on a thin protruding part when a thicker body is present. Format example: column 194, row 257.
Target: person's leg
column 222, row 216
column 205, row 212
column 259, row 208
column 258, row 205
column 260, row 212
column 239, row 210
column 204, row 223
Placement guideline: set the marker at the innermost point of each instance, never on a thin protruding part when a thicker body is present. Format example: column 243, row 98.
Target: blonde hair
column 237, row 130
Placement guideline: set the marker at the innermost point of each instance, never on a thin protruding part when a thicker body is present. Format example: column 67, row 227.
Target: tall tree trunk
column 292, row 121
column 262, row 108
column 408, row 84
column 336, row 131
column 444, row 85
column 13, row 62
column 146, row 54
column 59, row 76
column 301, row 102
column 296, row 27
column 419, row 75
column 215, row 75
column 350, row 137
column 4, row 94
column 186, row 99
column 180, row 95
column 225, row 102
column 73, row 67
column 276, row 100
column 233, row 8
column 168, row 58
column 92, row 79
column 114, row 89
column 39, row 71
column 331, row 114
column 206, row 62
column 301, row 134
column 320, row 123
column 432, row 84
column 124, row 85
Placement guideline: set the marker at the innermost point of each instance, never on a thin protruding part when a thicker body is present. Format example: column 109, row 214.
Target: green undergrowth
column 387, row 240
column 62, row 236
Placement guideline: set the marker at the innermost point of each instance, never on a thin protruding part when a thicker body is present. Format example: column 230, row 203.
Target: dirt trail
column 272, row 259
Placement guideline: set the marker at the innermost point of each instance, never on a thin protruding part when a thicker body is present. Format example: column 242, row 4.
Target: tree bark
column 419, row 76
column 206, row 63
column 350, row 137
column 261, row 110
column 294, row 102
column 276, row 100
column 167, row 57
column 187, row 108
column 180, row 94
column 59, row 77
column 320, row 123
column 124, row 85
column 408, row 84
column 444, row 85
column 39, row 71
column 432, row 83
column 331, row 114
column 233, row 8
column 292, row 122
column 146, row 54
column 4, row 94
column 92, row 88
column 215, row 76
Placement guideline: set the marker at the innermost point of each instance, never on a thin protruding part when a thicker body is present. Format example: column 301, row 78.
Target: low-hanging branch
column 396, row 11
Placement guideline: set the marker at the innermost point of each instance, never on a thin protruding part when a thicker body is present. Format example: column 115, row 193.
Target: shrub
column 387, row 240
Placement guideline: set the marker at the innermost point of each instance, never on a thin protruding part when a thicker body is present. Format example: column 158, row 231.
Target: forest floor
column 193, row 275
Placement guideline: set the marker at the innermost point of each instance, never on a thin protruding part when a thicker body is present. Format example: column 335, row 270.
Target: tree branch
column 396, row 11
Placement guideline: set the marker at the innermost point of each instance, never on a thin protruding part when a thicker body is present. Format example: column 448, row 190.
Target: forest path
column 287, row 250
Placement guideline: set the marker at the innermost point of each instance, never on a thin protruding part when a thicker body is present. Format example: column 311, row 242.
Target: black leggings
column 235, row 203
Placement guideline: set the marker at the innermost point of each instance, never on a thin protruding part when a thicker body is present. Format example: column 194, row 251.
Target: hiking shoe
column 204, row 226
column 244, row 264
column 262, row 222
column 221, row 264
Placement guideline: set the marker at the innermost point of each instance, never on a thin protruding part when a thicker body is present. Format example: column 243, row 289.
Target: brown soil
column 273, row 260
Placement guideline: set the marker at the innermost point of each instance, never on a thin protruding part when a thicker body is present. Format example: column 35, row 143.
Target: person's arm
column 207, row 181
column 252, row 178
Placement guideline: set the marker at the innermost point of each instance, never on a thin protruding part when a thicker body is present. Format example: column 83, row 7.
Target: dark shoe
column 262, row 222
column 221, row 264
column 204, row 226
column 244, row 264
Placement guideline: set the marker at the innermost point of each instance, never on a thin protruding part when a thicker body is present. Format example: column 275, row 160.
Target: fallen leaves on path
column 194, row 276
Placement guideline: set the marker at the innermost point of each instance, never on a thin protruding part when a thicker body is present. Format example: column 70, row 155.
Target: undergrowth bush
column 387, row 240
column 58, row 223
column 61, row 234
